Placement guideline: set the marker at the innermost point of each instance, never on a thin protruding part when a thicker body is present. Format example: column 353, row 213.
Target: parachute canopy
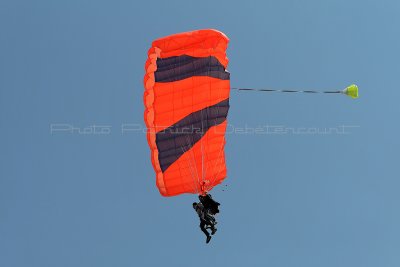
column 186, row 102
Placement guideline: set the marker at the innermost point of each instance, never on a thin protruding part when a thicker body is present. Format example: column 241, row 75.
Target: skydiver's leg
column 203, row 228
column 210, row 219
column 210, row 224
column 212, row 227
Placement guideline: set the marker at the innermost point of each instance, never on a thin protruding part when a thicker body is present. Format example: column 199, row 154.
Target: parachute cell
column 186, row 103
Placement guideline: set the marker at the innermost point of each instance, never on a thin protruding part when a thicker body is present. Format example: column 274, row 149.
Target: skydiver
column 210, row 205
column 207, row 221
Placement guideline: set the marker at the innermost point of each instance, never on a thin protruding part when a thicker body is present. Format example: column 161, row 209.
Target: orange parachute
column 186, row 102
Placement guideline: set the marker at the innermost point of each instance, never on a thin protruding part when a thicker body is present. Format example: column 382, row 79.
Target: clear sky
column 294, row 197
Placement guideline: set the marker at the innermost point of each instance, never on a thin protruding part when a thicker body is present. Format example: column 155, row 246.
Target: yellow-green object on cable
column 351, row 91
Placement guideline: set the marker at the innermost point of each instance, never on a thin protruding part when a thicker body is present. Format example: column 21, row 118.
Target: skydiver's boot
column 213, row 231
column 208, row 239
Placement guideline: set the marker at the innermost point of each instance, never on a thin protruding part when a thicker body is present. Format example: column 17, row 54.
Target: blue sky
column 291, row 199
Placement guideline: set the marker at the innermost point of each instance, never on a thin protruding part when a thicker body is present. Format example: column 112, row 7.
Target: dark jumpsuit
column 205, row 220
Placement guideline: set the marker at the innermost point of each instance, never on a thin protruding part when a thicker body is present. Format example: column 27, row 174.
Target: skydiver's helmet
column 194, row 205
